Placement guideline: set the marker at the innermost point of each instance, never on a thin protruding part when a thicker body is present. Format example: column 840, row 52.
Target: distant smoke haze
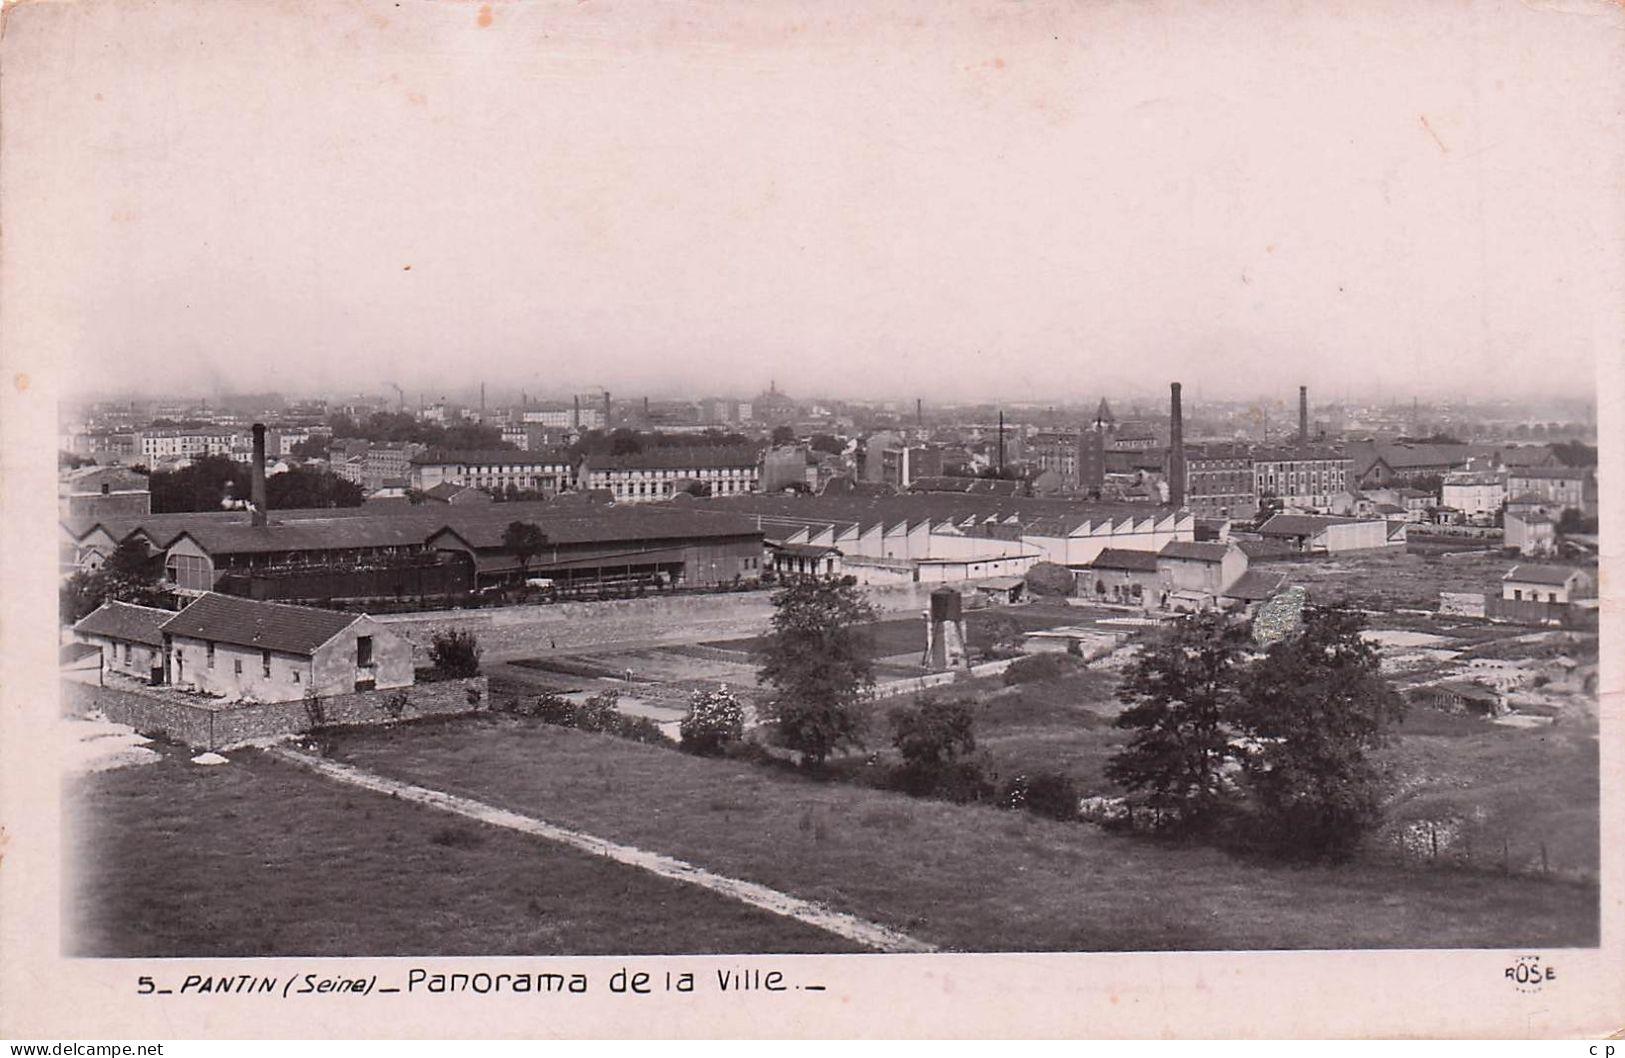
column 1040, row 202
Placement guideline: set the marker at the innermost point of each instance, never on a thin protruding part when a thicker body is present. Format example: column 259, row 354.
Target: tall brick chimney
column 606, row 409
column 1176, row 448
column 1303, row 415
column 256, row 475
column 575, row 414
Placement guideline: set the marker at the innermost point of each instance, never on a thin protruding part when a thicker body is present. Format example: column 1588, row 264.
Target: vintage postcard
column 552, row 518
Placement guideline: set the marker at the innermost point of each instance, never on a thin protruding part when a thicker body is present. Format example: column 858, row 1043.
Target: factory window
column 210, row 649
column 295, row 674
column 363, row 651
column 237, row 666
column 265, row 663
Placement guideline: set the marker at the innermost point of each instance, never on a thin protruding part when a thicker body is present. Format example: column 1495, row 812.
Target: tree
column 933, row 733
column 303, row 487
column 625, row 442
column 1179, row 691
column 314, row 447
column 784, row 435
column 202, row 486
column 455, row 653
column 817, row 665
column 525, row 540
column 715, row 718
column 994, row 635
column 1050, row 578
column 1312, row 708
column 823, row 442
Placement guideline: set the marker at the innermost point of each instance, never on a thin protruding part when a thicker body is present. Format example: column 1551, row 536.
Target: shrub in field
column 640, row 729
column 551, row 709
column 455, row 653
column 1047, row 794
column 1049, row 578
column 933, row 732
column 715, row 718
column 598, row 713
column 1036, row 667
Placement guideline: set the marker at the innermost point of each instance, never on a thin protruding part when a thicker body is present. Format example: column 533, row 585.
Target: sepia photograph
column 540, row 480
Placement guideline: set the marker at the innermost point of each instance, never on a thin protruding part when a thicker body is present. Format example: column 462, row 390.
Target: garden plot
column 1407, row 652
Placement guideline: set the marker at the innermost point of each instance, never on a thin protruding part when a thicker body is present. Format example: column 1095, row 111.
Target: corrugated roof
column 1556, row 576
column 251, row 623
column 125, row 621
column 697, row 458
column 487, row 456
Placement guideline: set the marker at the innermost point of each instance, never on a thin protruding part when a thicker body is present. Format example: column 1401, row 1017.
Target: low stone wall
column 164, row 712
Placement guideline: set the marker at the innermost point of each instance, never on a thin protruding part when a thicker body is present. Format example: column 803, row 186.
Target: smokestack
column 606, row 409
column 256, row 475
column 1176, row 448
column 1303, row 415
column 1001, row 441
column 575, row 414
column 919, row 412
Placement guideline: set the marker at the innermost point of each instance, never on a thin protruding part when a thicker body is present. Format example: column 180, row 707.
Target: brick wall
column 159, row 711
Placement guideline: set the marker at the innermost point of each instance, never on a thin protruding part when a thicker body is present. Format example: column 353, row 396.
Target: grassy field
column 259, row 857
column 968, row 878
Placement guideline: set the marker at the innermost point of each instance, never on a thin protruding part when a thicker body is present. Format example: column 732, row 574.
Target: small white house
column 1548, row 584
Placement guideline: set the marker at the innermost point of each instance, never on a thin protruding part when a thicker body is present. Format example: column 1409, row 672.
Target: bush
column 1049, row 578
column 1037, row 667
column 961, row 782
column 598, row 713
column 1047, row 794
column 455, row 653
column 933, row 733
column 715, row 718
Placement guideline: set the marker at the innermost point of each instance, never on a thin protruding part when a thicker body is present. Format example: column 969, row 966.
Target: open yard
column 968, row 878
column 259, row 857
column 1394, row 580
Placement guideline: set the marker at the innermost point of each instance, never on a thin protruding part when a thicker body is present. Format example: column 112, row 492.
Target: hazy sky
column 948, row 200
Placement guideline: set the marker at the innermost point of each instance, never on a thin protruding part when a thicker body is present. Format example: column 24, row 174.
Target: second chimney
column 1303, row 415
column 1176, row 448
column 256, row 476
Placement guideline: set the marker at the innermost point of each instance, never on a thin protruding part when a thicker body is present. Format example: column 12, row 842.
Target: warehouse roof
column 251, row 623
column 1300, row 524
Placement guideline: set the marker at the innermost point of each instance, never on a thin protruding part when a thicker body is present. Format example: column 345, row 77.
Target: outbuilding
column 248, row 650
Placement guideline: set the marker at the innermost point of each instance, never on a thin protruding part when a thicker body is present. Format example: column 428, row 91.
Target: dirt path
column 870, row 934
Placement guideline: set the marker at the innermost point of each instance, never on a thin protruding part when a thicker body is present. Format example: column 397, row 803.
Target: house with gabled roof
column 130, row 638
column 1548, row 584
column 248, row 650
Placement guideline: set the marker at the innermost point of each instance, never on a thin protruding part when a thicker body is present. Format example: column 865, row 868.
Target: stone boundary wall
column 164, row 712
column 908, row 685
